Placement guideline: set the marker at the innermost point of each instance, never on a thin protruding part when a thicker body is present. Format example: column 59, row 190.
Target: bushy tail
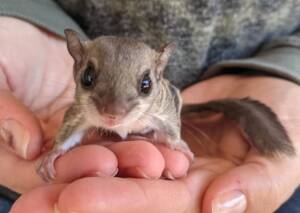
column 258, row 121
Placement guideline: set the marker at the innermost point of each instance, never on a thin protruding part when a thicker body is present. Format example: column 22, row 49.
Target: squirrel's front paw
column 184, row 148
column 46, row 168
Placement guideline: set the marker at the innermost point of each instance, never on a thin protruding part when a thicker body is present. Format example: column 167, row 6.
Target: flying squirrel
column 120, row 88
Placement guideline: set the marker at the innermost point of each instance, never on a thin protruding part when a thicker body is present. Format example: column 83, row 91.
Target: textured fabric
column 292, row 205
column 5, row 204
column 44, row 13
column 205, row 31
column 279, row 58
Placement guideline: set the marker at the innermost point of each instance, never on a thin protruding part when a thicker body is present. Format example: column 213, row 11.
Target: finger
column 260, row 185
column 176, row 163
column 42, row 199
column 138, row 159
column 88, row 160
column 91, row 195
column 19, row 129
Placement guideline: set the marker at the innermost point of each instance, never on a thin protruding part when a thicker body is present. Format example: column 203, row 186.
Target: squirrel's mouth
column 111, row 122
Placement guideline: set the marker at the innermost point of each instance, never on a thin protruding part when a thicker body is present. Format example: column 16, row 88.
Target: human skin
column 36, row 87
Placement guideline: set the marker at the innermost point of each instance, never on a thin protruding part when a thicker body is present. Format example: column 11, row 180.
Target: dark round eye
column 146, row 84
column 88, row 77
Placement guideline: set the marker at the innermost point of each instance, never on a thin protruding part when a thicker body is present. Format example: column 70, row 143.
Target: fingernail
column 231, row 202
column 56, row 210
column 15, row 135
column 115, row 172
column 101, row 174
column 167, row 173
column 135, row 172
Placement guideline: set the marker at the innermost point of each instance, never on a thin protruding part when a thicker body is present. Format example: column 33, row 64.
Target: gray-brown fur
column 260, row 124
column 166, row 112
column 72, row 120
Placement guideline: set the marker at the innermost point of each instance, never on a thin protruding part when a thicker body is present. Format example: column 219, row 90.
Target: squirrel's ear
column 75, row 46
column 163, row 57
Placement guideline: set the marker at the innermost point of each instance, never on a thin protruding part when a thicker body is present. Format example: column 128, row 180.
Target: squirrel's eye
column 146, row 84
column 88, row 77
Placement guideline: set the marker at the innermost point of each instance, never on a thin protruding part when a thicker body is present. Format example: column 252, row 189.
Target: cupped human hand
column 36, row 87
column 228, row 175
column 252, row 183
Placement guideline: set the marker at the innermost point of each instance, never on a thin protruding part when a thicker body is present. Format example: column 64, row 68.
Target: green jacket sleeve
column 43, row 13
column 279, row 58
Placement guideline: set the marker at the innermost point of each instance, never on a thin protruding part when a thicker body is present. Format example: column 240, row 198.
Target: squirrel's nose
column 112, row 111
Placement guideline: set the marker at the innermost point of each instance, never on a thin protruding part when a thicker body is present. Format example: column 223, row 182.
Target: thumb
column 260, row 185
column 19, row 130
